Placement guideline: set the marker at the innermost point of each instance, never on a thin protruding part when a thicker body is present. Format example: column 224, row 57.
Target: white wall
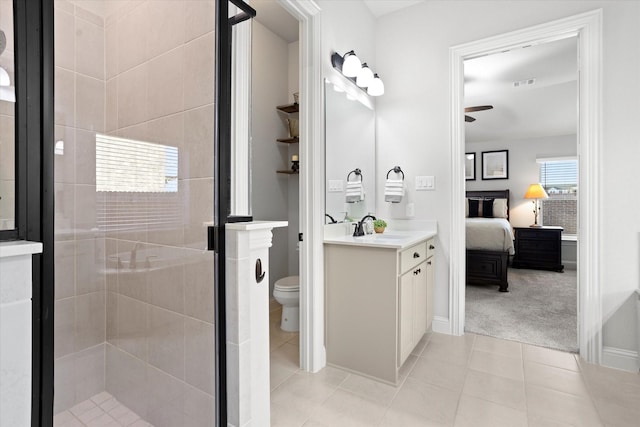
column 347, row 25
column 270, row 191
column 412, row 48
column 523, row 169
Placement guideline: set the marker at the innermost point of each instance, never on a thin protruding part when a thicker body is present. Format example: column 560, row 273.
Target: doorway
column 587, row 27
column 521, row 112
column 275, row 170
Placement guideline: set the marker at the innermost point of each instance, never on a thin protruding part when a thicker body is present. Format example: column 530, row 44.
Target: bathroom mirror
column 7, row 120
column 349, row 144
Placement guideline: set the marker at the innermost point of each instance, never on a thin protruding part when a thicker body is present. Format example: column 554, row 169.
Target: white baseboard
column 441, row 325
column 619, row 358
column 570, row 265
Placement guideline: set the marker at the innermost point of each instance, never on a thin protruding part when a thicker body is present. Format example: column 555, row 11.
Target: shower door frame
column 34, row 115
column 222, row 187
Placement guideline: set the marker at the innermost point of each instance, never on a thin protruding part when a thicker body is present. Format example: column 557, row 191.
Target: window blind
column 137, row 185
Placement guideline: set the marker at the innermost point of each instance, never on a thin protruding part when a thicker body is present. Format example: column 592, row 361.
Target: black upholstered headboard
column 491, row 194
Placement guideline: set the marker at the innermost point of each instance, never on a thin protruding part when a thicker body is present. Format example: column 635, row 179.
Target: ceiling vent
column 526, row 82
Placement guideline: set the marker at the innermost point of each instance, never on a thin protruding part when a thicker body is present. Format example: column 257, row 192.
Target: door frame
column 588, row 28
column 307, row 12
column 312, row 350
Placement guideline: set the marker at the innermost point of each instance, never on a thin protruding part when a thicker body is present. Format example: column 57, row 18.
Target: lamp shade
column 351, row 65
column 365, row 76
column 376, row 88
column 535, row 191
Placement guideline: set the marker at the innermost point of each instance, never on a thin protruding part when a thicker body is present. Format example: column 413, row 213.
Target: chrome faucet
column 359, row 230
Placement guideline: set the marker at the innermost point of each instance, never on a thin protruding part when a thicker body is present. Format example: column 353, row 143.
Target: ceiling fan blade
column 469, row 119
column 478, row 108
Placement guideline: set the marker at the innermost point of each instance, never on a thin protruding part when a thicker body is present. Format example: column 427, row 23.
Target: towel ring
column 358, row 172
column 396, row 169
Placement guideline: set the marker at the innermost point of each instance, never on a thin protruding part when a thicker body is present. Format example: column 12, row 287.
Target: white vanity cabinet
column 415, row 288
column 379, row 301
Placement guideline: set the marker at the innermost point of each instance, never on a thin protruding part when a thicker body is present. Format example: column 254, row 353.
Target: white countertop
column 392, row 239
column 19, row 247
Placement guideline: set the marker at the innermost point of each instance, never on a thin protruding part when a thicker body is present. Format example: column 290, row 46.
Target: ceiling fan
column 470, row 119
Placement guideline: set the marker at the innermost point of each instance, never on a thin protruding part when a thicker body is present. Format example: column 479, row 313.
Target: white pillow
column 500, row 208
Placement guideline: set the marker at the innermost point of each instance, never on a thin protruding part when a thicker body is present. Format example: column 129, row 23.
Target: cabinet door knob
column 429, row 262
column 431, row 247
column 416, row 255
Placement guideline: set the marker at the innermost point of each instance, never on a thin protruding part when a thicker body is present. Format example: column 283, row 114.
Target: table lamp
column 535, row 192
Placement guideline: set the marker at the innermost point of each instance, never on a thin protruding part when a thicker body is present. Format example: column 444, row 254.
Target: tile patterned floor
column 472, row 380
column 101, row 410
column 447, row 381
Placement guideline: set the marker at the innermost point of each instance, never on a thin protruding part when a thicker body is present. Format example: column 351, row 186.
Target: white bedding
column 491, row 234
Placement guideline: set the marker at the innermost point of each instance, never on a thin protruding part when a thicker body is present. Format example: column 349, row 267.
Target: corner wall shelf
column 293, row 140
column 289, row 108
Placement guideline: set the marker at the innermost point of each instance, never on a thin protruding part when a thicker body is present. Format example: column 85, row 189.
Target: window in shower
column 137, row 183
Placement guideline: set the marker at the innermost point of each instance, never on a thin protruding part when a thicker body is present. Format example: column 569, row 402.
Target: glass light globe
column 365, row 76
column 4, row 77
column 351, row 65
column 376, row 88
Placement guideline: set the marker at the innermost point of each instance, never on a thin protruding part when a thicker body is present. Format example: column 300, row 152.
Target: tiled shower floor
column 101, row 410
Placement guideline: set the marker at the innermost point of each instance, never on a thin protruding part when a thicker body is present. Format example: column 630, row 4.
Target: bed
column 489, row 241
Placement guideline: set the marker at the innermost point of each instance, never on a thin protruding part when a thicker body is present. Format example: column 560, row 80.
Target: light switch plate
column 336, row 186
column 430, row 183
column 421, row 183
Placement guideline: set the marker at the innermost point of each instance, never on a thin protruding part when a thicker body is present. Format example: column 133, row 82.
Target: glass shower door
column 134, row 186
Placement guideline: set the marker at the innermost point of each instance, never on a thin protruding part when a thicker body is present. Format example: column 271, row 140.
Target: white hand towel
column 355, row 192
column 393, row 190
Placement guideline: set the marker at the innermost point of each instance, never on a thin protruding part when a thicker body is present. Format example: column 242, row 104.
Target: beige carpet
column 539, row 309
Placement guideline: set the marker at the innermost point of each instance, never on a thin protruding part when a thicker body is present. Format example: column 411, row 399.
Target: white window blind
column 559, row 177
column 127, row 165
column 138, row 185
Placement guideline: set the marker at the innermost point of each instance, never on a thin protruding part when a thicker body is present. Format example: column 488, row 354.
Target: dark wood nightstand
column 539, row 248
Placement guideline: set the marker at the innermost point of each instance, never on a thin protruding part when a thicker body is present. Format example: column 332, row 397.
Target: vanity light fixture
column 361, row 74
column 376, row 88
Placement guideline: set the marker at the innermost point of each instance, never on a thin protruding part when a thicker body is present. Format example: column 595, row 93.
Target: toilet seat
column 287, row 284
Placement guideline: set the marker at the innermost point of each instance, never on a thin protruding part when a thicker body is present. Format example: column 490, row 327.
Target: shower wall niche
column 134, row 115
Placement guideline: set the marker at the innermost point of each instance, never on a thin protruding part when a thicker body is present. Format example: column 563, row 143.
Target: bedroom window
column 559, row 177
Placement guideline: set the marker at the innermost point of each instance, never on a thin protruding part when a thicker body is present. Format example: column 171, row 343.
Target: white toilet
column 287, row 292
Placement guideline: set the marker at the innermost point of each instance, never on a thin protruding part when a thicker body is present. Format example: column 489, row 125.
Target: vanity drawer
column 413, row 256
column 431, row 248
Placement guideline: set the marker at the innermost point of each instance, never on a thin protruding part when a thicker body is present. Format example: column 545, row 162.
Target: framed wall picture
column 495, row 164
column 470, row 166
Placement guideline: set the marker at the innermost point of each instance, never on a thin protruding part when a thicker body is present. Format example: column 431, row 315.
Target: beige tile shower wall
column 159, row 316
column 80, row 306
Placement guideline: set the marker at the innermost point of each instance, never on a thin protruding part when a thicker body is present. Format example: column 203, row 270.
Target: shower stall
column 134, row 197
